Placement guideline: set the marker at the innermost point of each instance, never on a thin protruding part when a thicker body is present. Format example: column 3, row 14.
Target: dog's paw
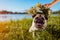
column 32, row 29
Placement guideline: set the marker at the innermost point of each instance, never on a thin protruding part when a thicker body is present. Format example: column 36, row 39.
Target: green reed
column 19, row 30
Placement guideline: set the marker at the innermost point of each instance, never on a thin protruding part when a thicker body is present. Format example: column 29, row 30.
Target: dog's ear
column 33, row 15
column 46, row 18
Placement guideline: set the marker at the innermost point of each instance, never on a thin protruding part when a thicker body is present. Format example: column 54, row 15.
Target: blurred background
column 15, row 22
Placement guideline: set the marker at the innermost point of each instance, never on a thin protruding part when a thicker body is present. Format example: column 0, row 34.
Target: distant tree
column 56, row 12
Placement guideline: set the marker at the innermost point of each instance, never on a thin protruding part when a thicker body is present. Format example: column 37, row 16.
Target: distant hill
column 5, row 12
column 9, row 12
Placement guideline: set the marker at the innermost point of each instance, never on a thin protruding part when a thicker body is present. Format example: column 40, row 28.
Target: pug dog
column 39, row 22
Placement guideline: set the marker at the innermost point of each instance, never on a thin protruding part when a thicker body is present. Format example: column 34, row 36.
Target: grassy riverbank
column 18, row 30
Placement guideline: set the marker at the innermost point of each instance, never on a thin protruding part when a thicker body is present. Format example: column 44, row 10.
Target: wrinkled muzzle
column 39, row 22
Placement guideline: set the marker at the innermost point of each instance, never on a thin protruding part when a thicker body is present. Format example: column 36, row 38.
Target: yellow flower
column 38, row 5
column 31, row 10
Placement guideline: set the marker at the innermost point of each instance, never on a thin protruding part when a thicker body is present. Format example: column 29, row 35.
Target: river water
column 4, row 17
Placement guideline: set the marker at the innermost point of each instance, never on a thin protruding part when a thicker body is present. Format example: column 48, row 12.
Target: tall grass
column 18, row 30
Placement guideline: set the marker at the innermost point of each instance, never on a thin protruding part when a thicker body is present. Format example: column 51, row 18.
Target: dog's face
column 39, row 20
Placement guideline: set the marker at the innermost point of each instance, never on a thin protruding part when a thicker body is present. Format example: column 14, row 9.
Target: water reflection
column 4, row 17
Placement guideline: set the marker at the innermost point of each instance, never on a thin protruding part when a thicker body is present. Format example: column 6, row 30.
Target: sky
column 22, row 5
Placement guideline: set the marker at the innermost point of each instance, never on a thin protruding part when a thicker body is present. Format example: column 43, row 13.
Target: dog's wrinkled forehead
column 38, row 15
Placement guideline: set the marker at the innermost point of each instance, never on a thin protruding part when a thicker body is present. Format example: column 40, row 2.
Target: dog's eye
column 36, row 18
column 40, row 15
column 42, row 18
